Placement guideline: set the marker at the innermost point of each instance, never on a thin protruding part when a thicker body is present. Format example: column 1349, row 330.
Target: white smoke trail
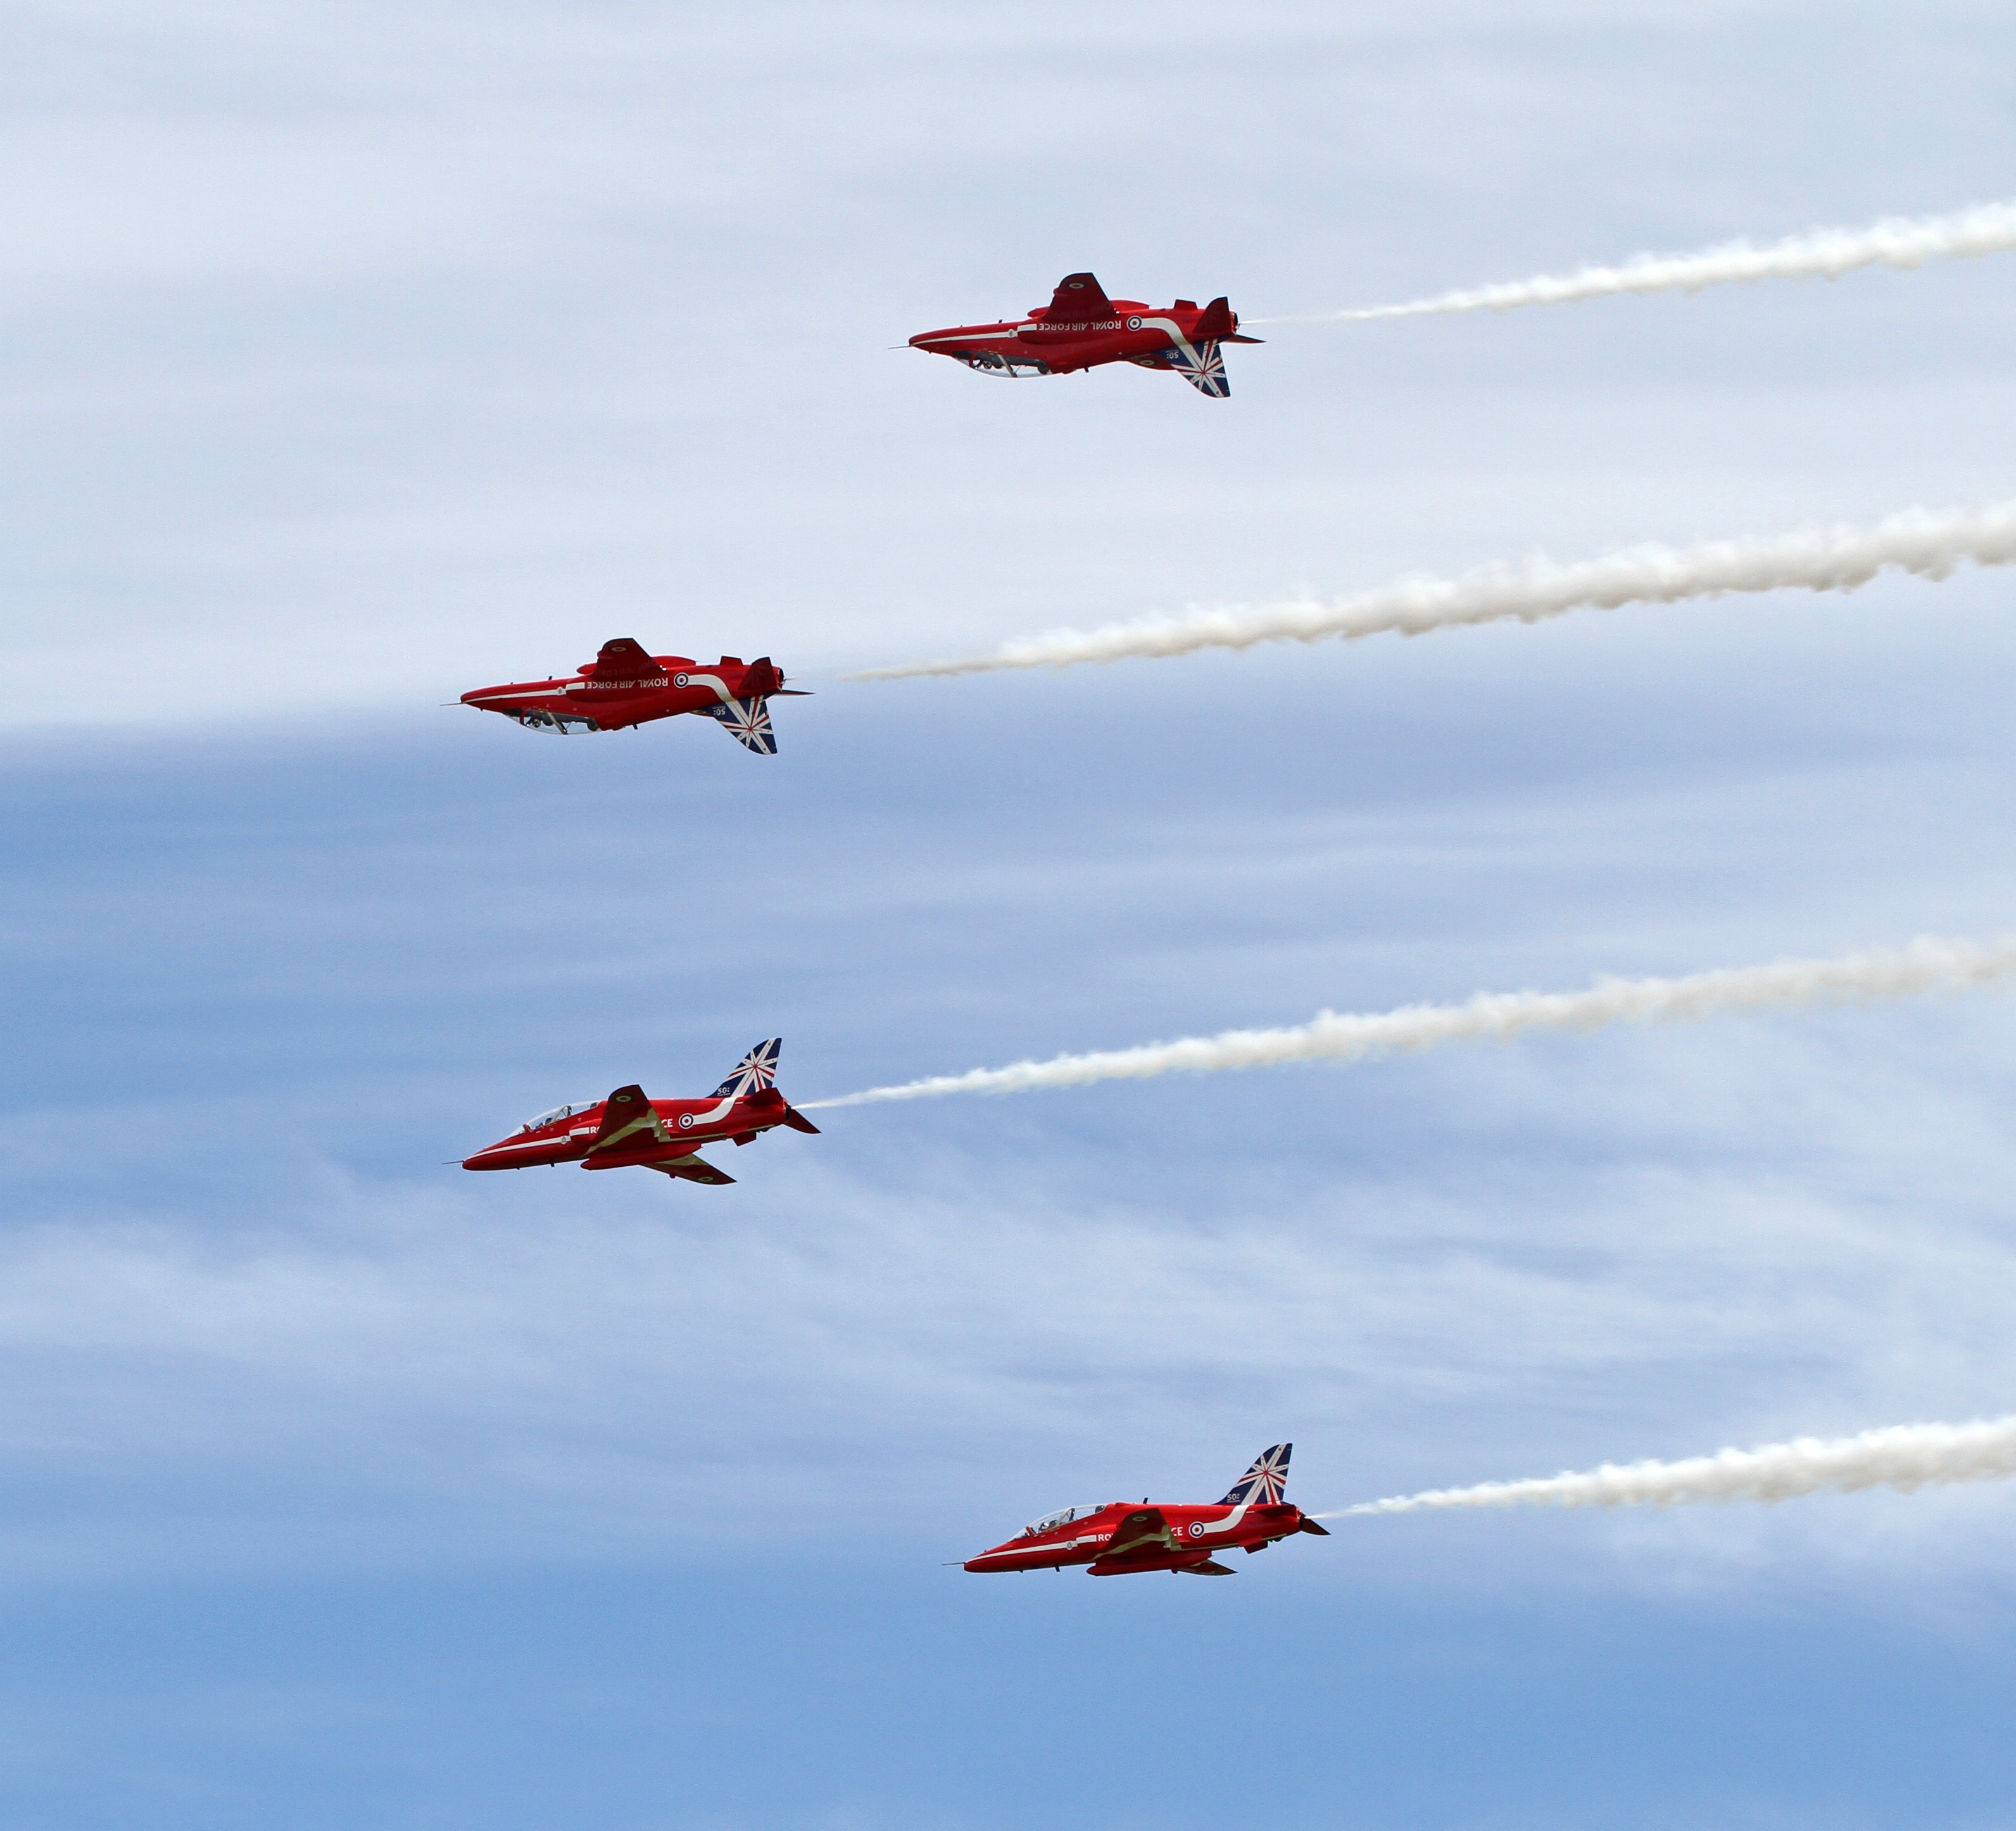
column 1930, row 543
column 1931, row 963
column 1906, row 1457
column 1827, row 253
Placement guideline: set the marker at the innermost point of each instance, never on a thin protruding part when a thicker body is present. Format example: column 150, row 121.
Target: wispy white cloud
column 551, row 1364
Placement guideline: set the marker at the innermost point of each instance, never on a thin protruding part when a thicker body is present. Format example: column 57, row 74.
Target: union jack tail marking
column 754, row 1072
column 1265, row 1482
column 748, row 722
column 1207, row 373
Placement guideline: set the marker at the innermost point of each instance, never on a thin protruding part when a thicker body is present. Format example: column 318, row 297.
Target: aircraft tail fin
column 1079, row 298
column 754, row 1072
column 748, row 722
column 1201, row 366
column 1263, row 1483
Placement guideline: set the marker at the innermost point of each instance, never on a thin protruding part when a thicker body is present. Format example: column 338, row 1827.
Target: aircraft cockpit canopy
column 557, row 1114
column 1063, row 1516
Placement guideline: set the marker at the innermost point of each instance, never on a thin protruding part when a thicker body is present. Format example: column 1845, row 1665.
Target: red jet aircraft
column 623, row 685
column 1116, row 1538
column 657, row 1135
column 1081, row 328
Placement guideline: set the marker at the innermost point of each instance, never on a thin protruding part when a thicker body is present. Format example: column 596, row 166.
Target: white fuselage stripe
column 1040, row 1550
column 714, row 681
column 1212, row 1529
column 1169, row 325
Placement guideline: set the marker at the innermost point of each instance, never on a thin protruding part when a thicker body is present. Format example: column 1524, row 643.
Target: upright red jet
column 623, row 685
column 1116, row 1538
column 655, row 1135
column 1081, row 328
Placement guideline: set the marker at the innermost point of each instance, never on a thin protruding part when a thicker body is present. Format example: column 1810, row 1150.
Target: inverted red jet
column 1116, row 1538
column 623, row 685
column 1081, row 328
column 655, row 1135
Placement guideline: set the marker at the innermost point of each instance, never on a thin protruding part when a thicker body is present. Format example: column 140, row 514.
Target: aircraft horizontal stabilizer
column 798, row 1122
column 1214, row 320
column 1210, row 1567
column 1309, row 1525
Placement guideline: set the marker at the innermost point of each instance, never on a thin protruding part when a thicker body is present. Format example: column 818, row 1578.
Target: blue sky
column 356, row 358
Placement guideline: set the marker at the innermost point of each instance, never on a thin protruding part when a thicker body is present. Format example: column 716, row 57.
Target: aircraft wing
column 692, row 1168
column 624, row 657
column 1145, row 1529
column 629, row 1121
column 1078, row 299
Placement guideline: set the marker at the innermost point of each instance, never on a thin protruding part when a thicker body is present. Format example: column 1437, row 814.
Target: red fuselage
column 657, row 1133
column 1116, row 1539
column 1081, row 329
column 1042, row 343
column 644, row 687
